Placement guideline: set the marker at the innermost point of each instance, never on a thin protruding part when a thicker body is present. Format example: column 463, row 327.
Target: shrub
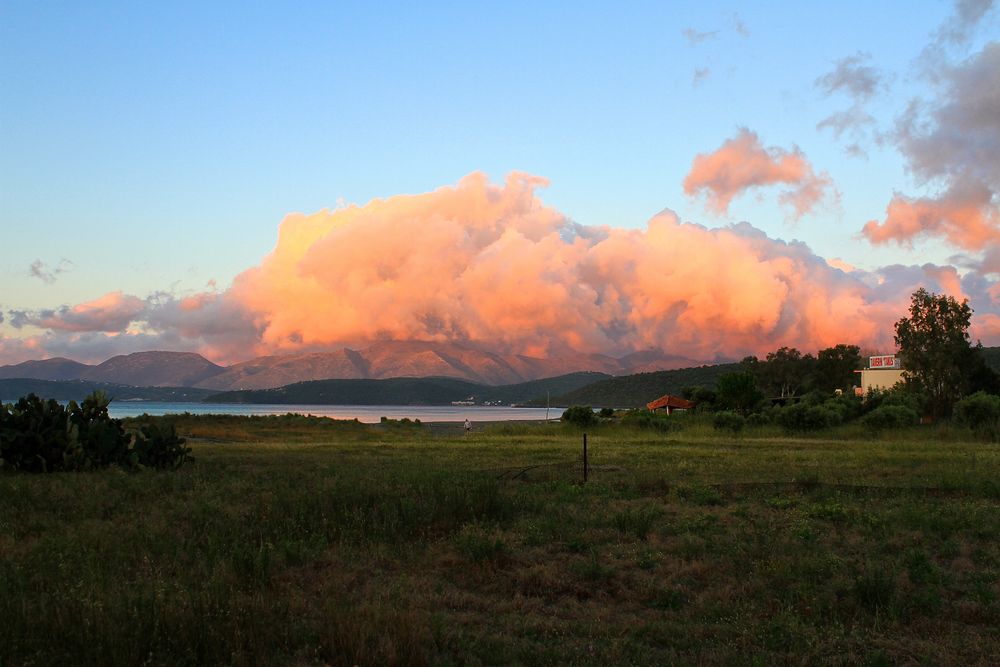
column 579, row 415
column 606, row 413
column 39, row 435
column 889, row 417
column 846, row 407
column 653, row 421
column 729, row 421
column 980, row 412
column 802, row 417
column 159, row 447
column 903, row 395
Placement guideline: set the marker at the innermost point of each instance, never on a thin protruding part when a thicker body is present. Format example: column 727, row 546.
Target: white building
column 883, row 372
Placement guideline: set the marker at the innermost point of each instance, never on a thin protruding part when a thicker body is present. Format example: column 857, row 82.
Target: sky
column 707, row 179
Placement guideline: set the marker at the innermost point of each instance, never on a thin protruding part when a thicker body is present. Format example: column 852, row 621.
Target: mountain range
column 385, row 359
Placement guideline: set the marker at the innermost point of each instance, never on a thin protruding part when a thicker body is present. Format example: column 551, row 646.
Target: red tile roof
column 669, row 401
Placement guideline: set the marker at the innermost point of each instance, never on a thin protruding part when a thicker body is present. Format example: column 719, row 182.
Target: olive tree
column 934, row 346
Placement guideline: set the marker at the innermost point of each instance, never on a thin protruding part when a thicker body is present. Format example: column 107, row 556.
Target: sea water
column 369, row 414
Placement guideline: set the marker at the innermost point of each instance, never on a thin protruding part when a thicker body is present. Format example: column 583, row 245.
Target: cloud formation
column 853, row 76
column 112, row 312
column 492, row 266
column 952, row 145
column 743, row 163
column 960, row 26
column 860, row 82
column 46, row 275
column 695, row 37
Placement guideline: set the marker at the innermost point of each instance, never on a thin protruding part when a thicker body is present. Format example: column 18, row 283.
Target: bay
column 369, row 414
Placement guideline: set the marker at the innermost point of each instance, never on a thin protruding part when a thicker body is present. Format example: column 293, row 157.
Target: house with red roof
column 669, row 404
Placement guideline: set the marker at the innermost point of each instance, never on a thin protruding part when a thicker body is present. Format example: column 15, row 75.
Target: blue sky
column 155, row 147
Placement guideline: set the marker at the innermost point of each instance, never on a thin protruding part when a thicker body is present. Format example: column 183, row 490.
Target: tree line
column 944, row 376
column 940, row 365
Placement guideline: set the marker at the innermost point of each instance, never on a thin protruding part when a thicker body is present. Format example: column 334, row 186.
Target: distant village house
column 669, row 404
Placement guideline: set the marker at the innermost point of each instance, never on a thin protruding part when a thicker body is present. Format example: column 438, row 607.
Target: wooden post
column 586, row 467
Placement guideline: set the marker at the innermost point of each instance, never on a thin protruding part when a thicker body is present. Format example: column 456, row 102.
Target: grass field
column 308, row 542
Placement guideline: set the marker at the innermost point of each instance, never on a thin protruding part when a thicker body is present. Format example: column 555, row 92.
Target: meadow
column 307, row 541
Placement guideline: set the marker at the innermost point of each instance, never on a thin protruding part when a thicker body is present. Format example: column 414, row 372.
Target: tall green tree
column 784, row 372
column 935, row 350
column 835, row 367
column 738, row 392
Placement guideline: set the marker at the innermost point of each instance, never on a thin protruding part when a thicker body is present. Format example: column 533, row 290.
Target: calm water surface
column 370, row 414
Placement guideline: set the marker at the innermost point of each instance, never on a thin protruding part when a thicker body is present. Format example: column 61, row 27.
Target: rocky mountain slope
column 385, row 359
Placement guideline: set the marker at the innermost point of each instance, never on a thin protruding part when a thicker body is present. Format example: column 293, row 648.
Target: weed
column 875, row 588
column 637, row 521
column 830, row 510
column 700, row 495
column 593, row 568
column 479, row 543
column 667, row 599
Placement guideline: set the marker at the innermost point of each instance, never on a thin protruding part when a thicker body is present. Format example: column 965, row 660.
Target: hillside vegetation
column 406, row 391
column 633, row 391
column 77, row 390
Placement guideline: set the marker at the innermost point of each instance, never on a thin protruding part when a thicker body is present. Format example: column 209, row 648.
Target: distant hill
column 380, row 360
column 407, row 391
column 77, row 390
column 394, row 359
column 639, row 374
column 57, row 368
column 633, row 391
column 154, row 369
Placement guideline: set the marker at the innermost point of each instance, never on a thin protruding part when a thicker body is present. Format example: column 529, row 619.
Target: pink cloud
column 112, row 312
column 491, row 265
column 967, row 219
column 743, row 163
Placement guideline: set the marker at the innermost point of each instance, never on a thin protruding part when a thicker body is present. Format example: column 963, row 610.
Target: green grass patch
column 302, row 541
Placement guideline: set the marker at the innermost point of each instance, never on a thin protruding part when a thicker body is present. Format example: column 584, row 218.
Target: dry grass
column 322, row 544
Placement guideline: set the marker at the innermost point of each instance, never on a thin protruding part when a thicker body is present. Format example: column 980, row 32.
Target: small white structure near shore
column 883, row 372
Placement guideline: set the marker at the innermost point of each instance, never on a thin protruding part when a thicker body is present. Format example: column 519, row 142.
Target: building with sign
column 883, row 372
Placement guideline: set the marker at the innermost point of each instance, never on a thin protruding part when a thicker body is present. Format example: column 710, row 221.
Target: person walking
column 468, row 425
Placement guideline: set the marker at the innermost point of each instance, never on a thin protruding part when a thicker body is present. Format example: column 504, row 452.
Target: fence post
column 586, row 467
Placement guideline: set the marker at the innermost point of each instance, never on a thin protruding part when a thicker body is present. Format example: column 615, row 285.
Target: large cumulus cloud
column 491, row 265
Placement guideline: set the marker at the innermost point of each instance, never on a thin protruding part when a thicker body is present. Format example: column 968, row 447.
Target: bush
column 579, row 415
column 846, row 407
column 729, row 421
column 980, row 412
column 800, row 417
column 606, row 413
column 889, row 417
column 159, row 447
column 653, row 421
column 39, row 435
column 901, row 395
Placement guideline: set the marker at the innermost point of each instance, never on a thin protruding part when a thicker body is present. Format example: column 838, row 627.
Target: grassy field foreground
column 300, row 543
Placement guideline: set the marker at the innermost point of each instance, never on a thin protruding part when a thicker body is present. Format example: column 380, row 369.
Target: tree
column 784, row 371
column 738, row 391
column 835, row 367
column 579, row 415
column 934, row 346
